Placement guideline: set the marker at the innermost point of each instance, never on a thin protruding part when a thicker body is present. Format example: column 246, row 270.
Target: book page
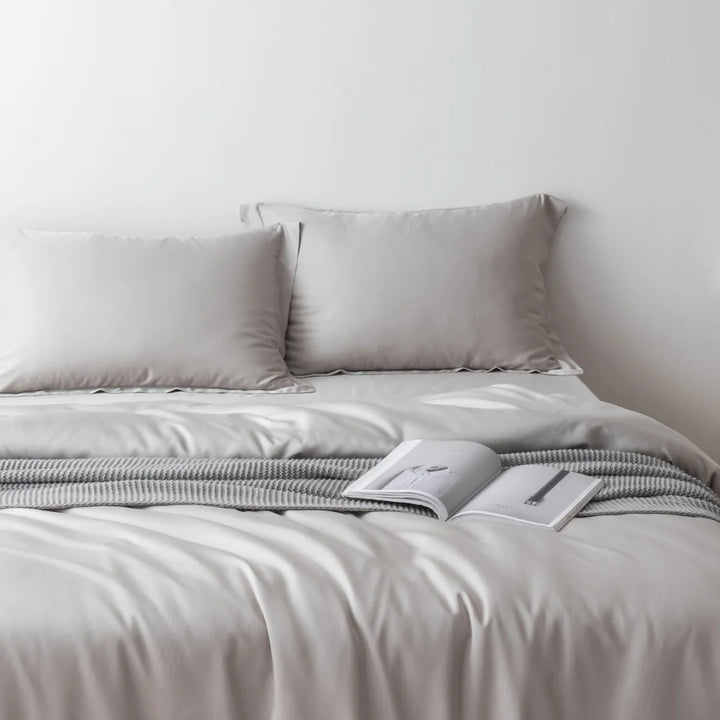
column 506, row 496
column 445, row 472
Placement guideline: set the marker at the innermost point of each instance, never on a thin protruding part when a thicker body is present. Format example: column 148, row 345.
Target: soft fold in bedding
column 347, row 416
column 186, row 612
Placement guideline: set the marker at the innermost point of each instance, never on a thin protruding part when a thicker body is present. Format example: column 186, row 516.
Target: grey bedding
column 634, row 483
column 192, row 611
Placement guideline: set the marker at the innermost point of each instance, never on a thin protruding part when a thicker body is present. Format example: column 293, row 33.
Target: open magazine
column 458, row 479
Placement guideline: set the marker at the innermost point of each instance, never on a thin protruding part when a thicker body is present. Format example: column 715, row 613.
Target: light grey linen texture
column 424, row 290
column 81, row 311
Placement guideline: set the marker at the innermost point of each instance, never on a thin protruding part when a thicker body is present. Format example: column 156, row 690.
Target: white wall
column 155, row 116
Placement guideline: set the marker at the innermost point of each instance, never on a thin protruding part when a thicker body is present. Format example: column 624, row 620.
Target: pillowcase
column 438, row 289
column 80, row 311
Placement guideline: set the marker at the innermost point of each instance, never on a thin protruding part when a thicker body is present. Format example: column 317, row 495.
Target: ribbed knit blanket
column 634, row 483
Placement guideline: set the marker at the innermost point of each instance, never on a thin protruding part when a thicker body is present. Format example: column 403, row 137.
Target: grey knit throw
column 634, row 483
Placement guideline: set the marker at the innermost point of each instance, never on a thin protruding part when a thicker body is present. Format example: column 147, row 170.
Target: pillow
column 430, row 290
column 80, row 311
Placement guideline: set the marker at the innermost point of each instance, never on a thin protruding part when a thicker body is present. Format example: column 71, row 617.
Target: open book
column 457, row 479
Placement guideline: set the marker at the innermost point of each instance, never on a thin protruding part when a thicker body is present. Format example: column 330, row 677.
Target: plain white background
column 152, row 116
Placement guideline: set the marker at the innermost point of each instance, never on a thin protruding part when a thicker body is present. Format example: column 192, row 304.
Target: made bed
column 192, row 611
column 134, row 587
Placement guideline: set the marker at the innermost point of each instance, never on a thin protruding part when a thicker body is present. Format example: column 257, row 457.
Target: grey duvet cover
column 188, row 611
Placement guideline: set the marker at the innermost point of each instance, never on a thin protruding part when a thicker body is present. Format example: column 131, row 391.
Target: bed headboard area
column 161, row 119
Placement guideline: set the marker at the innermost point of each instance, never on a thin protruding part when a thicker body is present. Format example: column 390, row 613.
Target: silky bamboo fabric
column 428, row 290
column 80, row 311
column 198, row 612
column 347, row 416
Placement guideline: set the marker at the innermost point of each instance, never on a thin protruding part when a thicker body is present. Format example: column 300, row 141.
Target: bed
column 139, row 582
column 192, row 611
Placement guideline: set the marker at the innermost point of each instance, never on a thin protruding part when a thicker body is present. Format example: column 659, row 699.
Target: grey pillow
column 428, row 290
column 80, row 311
